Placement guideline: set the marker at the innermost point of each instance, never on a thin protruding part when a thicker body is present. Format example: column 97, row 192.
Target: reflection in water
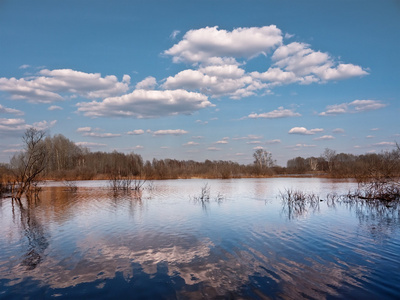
column 93, row 243
column 25, row 218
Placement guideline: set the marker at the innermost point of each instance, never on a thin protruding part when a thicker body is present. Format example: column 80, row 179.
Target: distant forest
column 59, row 158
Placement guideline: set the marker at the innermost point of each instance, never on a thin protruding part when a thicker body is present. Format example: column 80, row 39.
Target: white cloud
column 211, row 45
column 95, row 132
column 101, row 135
column 48, row 85
column 201, row 122
column 13, row 111
column 18, row 126
column 191, row 144
column 276, row 141
column 222, row 142
column 288, row 35
column 214, row 149
column 135, row 132
column 352, row 107
column 258, row 148
column 338, row 130
column 215, row 53
column 11, row 122
column 44, row 125
column 312, row 66
column 364, row 105
column 253, row 142
column 170, row 132
column 84, row 129
column 146, row 104
column 276, row 76
column 304, row 131
column 217, row 81
column 324, row 138
column 55, row 107
column 278, row 113
column 24, row 67
column 174, row 34
column 149, row 83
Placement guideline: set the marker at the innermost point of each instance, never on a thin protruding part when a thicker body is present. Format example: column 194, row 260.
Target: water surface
column 242, row 243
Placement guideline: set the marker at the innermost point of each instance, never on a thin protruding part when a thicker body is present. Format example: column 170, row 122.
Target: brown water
column 242, row 243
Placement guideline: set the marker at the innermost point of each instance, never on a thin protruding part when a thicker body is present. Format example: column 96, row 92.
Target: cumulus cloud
column 324, row 138
column 48, row 85
column 136, row 132
column 6, row 110
column 149, row 83
column 278, row 113
column 170, row 132
column 211, row 45
column 311, row 66
column 352, row 107
column 304, row 131
column 217, row 71
column 44, row 125
column 253, row 142
column 101, row 134
column 338, row 130
column 55, row 107
column 96, row 132
column 24, row 67
column 18, row 126
column 223, row 141
column 8, row 122
column 191, row 144
column 84, row 129
column 276, row 76
column 276, row 141
column 216, row 81
column 214, row 149
column 146, row 104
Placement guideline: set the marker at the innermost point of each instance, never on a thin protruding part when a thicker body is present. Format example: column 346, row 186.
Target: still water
column 243, row 243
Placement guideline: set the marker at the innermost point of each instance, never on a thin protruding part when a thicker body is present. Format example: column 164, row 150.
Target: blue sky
column 202, row 79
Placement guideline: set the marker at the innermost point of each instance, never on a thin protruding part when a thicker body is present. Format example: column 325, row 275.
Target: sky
column 202, row 79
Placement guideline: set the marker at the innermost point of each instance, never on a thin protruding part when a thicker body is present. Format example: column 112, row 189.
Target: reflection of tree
column 380, row 217
column 33, row 231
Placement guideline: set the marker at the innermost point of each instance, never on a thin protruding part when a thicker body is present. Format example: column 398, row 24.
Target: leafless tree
column 29, row 163
column 263, row 160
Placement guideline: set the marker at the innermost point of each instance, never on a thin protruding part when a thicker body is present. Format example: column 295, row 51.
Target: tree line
column 58, row 158
column 369, row 165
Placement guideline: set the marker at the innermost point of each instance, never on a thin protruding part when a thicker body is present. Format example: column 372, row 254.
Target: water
column 243, row 243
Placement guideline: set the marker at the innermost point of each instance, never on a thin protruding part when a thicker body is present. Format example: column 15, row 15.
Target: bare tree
column 329, row 155
column 263, row 159
column 28, row 164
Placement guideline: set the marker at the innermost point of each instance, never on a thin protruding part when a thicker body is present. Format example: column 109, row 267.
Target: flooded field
column 240, row 241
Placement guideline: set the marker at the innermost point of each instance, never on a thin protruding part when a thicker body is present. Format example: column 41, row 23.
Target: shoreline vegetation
column 58, row 158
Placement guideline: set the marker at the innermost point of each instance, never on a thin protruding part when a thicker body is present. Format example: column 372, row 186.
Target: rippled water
column 243, row 243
